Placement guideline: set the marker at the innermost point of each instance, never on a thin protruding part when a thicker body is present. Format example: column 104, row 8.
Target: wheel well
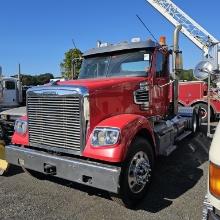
column 144, row 133
column 180, row 103
column 205, row 103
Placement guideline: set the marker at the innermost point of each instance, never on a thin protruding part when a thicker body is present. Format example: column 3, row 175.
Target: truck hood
column 215, row 147
column 98, row 84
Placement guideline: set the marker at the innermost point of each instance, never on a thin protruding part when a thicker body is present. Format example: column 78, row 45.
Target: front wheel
column 137, row 172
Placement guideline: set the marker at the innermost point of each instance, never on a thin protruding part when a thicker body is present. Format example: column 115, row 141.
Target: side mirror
column 179, row 61
column 203, row 69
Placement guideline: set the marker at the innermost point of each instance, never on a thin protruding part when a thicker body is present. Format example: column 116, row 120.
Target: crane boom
column 191, row 29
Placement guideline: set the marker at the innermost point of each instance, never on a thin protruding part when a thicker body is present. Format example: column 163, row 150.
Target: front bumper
column 98, row 175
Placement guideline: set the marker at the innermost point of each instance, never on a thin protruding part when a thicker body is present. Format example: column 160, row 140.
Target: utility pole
column 72, row 68
column 19, row 72
column 73, row 65
column 0, row 73
column 20, row 98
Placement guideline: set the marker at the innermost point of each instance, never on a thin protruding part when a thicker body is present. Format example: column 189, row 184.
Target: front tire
column 137, row 171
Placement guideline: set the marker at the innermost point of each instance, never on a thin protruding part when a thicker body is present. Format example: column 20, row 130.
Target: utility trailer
column 106, row 128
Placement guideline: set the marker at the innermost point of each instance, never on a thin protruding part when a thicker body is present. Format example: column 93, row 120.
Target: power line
column 74, row 43
column 147, row 28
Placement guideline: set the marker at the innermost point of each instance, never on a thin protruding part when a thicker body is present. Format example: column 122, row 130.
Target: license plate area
column 50, row 169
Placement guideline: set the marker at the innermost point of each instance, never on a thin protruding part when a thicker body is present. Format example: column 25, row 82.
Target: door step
column 183, row 135
column 169, row 150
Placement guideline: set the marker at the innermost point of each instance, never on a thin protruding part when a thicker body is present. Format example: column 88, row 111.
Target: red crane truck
column 194, row 94
column 106, row 128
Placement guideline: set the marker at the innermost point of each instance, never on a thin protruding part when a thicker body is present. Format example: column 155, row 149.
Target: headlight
column 214, row 179
column 20, row 126
column 105, row 136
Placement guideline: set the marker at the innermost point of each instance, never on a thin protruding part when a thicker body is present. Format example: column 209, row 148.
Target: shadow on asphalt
column 13, row 170
column 174, row 175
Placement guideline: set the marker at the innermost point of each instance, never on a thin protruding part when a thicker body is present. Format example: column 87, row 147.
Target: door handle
column 166, row 84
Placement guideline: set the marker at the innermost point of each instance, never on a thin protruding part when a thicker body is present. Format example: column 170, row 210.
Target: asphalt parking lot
column 177, row 192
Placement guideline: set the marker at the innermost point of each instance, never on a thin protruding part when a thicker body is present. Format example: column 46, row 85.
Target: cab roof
column 120, row 47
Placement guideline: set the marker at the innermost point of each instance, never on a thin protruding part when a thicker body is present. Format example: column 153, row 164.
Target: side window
column 94, row 68
column 161, row 65
column 9, row 85
column 133, row 63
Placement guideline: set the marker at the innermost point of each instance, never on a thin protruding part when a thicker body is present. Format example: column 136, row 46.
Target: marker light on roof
column 135, row 40
column 105, row 44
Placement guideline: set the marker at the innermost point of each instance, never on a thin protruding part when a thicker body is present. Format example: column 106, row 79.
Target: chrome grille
column 54, row 121
column 141, row 96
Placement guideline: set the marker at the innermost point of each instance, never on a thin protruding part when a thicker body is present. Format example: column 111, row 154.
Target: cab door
column 160, row 83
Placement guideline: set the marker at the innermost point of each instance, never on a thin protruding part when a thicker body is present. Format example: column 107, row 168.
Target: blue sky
column 36, row 33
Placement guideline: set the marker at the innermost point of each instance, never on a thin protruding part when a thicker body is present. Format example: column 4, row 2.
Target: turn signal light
column 162, row 41
column 214, row 179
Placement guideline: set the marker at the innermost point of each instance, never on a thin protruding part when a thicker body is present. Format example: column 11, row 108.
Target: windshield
column 126, row 64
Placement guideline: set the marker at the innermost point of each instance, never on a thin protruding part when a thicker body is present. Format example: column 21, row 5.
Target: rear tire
column 204, row 112
column 136, row 174
column 194, row 125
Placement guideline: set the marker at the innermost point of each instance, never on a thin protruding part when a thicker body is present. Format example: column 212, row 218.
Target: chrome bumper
column 207, row 207
column 209, row 212
column 98, row 175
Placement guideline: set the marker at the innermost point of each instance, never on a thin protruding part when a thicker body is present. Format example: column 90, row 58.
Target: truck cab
column 9, row 92
column 106, row 128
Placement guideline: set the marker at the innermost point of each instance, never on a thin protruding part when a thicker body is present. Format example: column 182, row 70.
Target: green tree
column 67, row 64
column 187, row 75
column 34, row 80
column 44, row 78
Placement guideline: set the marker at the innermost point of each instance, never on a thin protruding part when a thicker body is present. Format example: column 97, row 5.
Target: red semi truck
column 106, row 128
column 194, row 94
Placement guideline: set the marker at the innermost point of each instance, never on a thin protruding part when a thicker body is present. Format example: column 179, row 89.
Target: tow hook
column 50, row 169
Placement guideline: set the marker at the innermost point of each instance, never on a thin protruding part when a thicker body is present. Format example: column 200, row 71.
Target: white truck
column 211, row 209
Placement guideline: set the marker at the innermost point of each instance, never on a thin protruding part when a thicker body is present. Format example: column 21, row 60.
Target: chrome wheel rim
column 139, row 172
column 203, row 113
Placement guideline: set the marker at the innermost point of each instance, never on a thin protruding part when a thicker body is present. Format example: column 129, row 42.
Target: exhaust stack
column 177, row 63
